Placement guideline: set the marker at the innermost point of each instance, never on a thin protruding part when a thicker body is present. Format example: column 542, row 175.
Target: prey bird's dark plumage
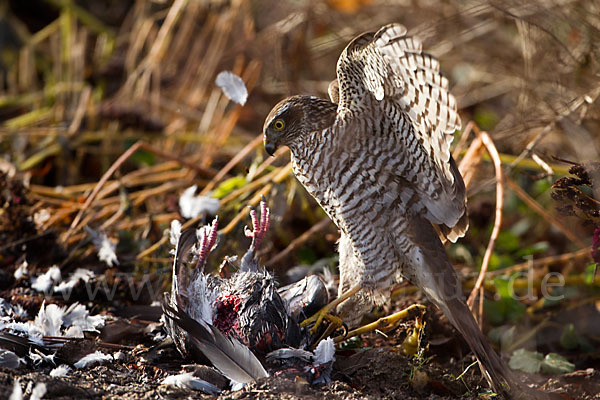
column 377, row 159
column 235, row 321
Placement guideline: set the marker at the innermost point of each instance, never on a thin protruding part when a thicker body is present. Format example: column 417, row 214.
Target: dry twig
column 489, row 144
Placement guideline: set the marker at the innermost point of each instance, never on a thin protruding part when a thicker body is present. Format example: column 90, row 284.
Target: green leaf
column 144, row 157
column 228, row 186
column 589, row 273
column 556, row 364
column 513, row 309
column 571, row 340
column 503, row 309
column 352, row 344
column 541, row 187
column 306, row 255
column 486, row 119
column 494, row 311
column 508, row 241
column 499, row 261
column 568, row 338
column 526, row 361
column 504, row 287
column 533, row 249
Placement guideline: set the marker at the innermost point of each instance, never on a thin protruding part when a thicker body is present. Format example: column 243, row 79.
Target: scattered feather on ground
column 187, row 380
column 94, row 358
column 60, row 371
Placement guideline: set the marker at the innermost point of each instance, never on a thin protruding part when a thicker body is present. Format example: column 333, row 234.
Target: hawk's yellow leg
column 383, row 324
column 324, row 313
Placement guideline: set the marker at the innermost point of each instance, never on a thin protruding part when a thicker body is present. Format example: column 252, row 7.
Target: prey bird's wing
column 389, row 69
column 232, row 358
column 181, row 274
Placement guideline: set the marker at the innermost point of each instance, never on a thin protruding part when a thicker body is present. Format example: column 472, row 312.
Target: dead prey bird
column 236, row 321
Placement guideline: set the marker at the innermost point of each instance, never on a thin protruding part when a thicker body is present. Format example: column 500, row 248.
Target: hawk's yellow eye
column 278, row 125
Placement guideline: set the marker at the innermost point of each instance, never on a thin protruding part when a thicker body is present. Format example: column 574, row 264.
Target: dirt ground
column 371, row 367
column 377, row 374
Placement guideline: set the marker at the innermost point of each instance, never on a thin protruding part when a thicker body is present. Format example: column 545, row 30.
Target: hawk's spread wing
column 392, row 68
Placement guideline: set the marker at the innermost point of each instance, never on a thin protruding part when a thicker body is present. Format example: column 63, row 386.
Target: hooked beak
column 269, row 147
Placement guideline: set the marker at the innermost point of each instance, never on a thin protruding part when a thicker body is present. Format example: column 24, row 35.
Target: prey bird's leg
column 259, row 227
column 382, row 324
column 259, row 230
column 324, row 313
column 207, row 239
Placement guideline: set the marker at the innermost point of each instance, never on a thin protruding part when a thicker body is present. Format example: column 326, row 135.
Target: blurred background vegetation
column 81, row 81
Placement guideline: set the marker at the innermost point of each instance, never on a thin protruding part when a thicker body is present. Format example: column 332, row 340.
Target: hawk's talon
column 333, row 326
column 391, row 321
column 324, row 313
column 319, row 316
column 345, row 329
column 383, row 324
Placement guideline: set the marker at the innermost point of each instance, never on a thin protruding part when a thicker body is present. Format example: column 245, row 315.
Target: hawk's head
column 284, row 123
column 294, row 117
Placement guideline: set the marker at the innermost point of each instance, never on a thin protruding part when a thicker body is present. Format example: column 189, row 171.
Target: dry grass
column 81, row 92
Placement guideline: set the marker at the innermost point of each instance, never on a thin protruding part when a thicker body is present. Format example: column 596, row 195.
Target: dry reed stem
column 225, row 127
column 112, row 186
column 84, row 99
column 283, row 172
column 462, row 142
column 477, row 289
column 277, row 176
column 124, row 157
column 248, row 187
column 130, row 226
column 168, row 187
column 232, row 163
column 550, row 260
column 155, row 246
column 221, row 133
column 524, row 283
column 113, row 168
column 243, row 212
column 112, row 219
column 136, row 199
column 468, row 165
column 69, row 204
column 575, row 104
column 270, row 160
column 193, row 166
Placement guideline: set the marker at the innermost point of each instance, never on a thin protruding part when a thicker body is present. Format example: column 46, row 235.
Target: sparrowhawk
column 377, row 159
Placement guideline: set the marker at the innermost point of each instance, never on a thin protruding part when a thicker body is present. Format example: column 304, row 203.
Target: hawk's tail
column 438, row 280
column 444, row 290
column 496, row 372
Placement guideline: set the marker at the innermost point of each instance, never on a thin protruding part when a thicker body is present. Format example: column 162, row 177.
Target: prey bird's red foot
column 260, row 227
